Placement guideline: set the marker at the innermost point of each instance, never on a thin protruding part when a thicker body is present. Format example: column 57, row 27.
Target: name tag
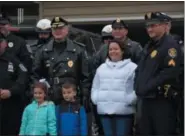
column 10, row 67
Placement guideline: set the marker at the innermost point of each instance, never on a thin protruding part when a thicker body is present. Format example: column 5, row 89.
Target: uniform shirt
column 159, row 66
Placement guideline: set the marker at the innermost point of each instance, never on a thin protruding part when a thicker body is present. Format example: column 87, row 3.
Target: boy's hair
column 68, row 85
column 42, row 86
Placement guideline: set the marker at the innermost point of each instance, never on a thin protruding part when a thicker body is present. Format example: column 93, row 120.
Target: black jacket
column 13, row 75
column 159, row 66
column 71, row 64
column 18, row 47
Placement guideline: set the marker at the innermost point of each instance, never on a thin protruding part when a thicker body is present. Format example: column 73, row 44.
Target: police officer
column 12, row 86
column 43, row 28
column 16, row 45
column 155, row 82
column 106, row 34
column 180, row 42
column 119, row 31
column 62, row 60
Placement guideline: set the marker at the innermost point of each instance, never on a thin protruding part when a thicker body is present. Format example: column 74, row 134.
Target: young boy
column 71, row 116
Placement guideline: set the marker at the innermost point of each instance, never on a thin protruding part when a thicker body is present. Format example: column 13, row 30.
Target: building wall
column 106, row 11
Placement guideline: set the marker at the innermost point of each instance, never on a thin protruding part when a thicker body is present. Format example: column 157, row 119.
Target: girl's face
column 39, row 95
column 115, row 53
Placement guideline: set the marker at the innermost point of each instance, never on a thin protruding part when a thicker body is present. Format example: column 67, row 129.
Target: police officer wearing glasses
column 155, row 82
column 63, row 60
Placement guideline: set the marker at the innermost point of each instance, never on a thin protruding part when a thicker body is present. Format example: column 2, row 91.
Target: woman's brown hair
column 124, row 49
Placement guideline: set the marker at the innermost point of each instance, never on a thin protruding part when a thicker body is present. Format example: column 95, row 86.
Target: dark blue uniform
column 156, row 86
column 14, row 78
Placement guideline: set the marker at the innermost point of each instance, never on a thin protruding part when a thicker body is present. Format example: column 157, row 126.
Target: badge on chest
column 10, row 67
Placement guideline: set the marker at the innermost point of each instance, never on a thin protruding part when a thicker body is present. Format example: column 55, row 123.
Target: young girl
column 39, row 117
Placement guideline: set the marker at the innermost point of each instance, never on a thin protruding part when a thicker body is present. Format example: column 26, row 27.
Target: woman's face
column 115, row 53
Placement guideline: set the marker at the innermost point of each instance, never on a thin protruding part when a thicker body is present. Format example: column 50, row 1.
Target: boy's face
column 69, row 94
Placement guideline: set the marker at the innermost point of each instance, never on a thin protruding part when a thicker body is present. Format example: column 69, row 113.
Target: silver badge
column 10, row 67
column 10, row 44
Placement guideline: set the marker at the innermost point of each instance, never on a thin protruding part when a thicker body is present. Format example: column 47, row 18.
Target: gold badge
column 57, row 19
column 172, row 52
column 70, row 63
column 149, row 14
column 153, row 54
column 171, row 63
column 118, row 20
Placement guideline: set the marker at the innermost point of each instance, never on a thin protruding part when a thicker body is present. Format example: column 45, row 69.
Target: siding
column 105, row 11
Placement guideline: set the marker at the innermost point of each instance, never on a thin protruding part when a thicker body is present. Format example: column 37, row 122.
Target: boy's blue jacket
column 71, row 119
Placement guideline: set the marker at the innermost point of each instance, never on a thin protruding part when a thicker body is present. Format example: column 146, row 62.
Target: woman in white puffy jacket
column 113, row 93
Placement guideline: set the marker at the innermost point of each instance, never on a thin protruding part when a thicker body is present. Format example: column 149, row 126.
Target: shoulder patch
column 22, row 67
column 172, row 52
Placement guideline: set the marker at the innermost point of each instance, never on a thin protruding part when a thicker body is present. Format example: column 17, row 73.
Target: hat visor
column 43, row 31
column 58, row 25
column 118, row 26
column 106, row 34
column 152, row 22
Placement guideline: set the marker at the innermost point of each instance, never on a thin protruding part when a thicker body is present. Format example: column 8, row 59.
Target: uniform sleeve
column 95, row 87
column 83, row 122
column 137, row 53
column 25, row 56
column 85, row 81
column 169, row 71
column 24, row 123
column 52, row 129
column 37, row 66
column 20, row 85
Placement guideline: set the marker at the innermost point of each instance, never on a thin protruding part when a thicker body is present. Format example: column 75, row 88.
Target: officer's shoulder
column 79, row 44
column 18, row 38
column 134, row 43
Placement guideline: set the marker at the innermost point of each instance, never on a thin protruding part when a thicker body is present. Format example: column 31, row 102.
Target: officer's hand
column 86, row 103
column 5, row 94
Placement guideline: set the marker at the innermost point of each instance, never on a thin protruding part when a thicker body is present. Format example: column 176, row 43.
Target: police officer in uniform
column 62, row 60
column 155, row 82
column 12, row 86
column 16, row 45
column 119, row 31
column 43, row 28
column 180, row 42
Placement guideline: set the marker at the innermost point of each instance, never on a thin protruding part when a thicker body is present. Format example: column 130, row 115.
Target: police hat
column 4, row 19
column 155, row 18
column 58, row 22
column 118, row 23
column 169, row 19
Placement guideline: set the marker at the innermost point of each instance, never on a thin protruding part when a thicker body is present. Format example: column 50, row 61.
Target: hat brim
column 56, row 25
column 152, row 22
column 118, row 26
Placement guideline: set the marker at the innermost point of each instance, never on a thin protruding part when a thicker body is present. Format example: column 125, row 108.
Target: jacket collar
column 43, row 104
column 70, row 45
column 118, row 64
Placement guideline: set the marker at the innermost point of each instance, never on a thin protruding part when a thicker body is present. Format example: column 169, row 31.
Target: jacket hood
column 118, row 64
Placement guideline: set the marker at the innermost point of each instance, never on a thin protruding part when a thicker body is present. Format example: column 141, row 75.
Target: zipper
column 35, row 120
